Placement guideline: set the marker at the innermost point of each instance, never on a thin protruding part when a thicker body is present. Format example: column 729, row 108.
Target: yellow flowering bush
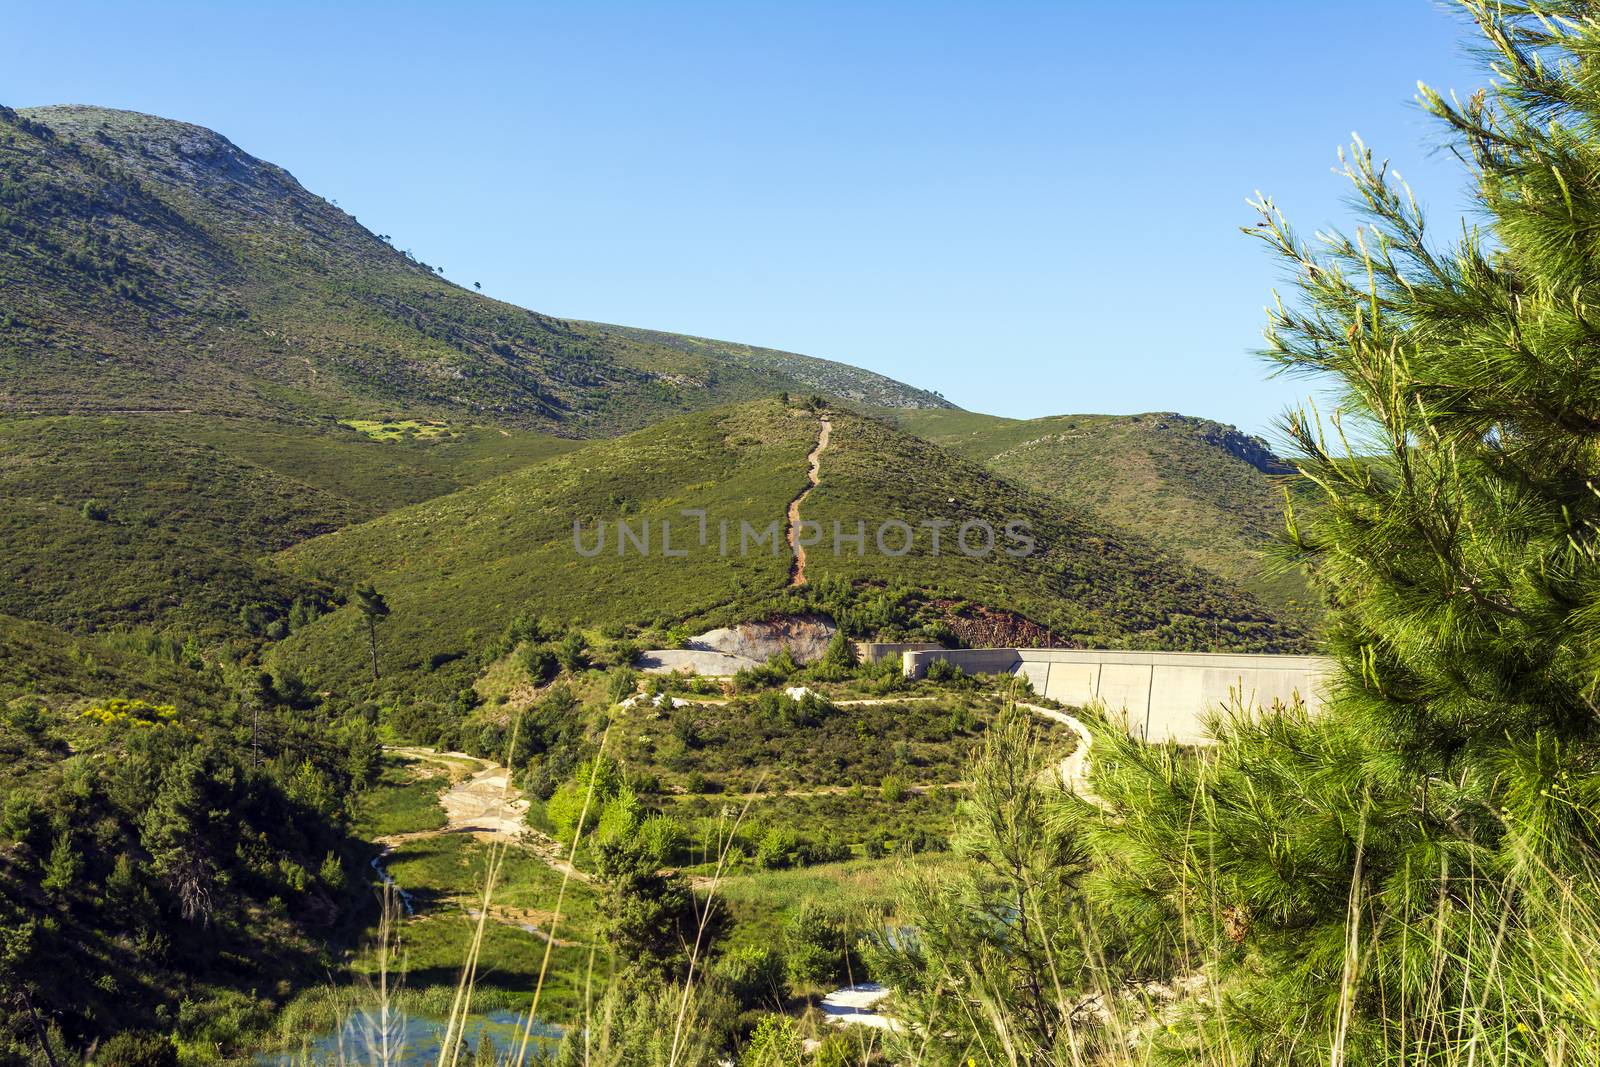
column 120, row 711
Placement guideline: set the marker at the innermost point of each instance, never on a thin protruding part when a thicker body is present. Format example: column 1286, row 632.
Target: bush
column 137, row 1048
column 621, row 684
column 817, row 947
column 663, row 838
column 540, row 663
column 755, row 975
column 893, row 787
column 573, row 652
column 774, row 1043
column 778, row 847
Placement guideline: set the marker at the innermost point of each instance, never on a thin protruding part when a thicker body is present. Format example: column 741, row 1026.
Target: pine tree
column 1353, row 878
column 374, row 609
column 65, row 866
column 988, row 950
column 176, row 831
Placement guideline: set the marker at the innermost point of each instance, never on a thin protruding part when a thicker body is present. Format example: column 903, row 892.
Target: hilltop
column 1201, row 490
column 153, row 265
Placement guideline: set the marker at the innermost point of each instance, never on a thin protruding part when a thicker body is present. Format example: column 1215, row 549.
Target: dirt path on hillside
column 1075, row 768
column 797, row 569
column 485, row 804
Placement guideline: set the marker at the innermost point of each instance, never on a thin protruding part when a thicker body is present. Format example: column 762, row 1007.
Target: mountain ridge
column 155, row 265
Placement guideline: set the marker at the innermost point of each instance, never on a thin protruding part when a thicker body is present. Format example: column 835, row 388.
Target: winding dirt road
column 1074, row 769
column 797, row 570
column 485, row 804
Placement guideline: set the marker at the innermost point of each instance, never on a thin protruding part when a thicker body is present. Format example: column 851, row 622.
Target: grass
column 399, row 429
column 762, row 902
column 444, row 875
column 1190, row 486
column 405, row 800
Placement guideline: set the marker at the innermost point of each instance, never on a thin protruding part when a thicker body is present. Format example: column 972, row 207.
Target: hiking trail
column 797, row 569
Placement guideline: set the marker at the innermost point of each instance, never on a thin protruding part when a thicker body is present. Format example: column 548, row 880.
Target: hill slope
column 1193, row 487
column 163, row 519
column 153, row 265
column 458, row 568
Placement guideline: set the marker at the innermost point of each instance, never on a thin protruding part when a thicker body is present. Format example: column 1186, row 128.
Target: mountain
column 224, row 401
column 152, row 265
column 459, row 568
column 1198, row 489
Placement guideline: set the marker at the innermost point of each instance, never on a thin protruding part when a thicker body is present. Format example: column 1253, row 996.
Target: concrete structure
column 873, row 651
column 1164, row 695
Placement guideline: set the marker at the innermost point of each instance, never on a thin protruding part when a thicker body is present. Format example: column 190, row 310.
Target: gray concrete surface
column 873, row 651
column 1163, row 695
column 695, row 661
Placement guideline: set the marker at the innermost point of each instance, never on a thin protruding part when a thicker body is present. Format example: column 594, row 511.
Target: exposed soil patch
column 797, row 570
column 982, row 627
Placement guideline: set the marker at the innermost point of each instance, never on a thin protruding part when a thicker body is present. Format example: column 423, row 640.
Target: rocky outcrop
column 805, row 636
column 978, row 626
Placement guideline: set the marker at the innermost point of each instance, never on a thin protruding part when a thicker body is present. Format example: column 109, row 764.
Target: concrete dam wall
column 1163, row 694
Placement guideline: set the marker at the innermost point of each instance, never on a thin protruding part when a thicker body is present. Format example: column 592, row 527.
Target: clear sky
column 1031, row 208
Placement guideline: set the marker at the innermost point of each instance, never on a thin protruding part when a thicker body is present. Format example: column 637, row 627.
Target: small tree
column 375, row 609
column 63, row 869
column 573, row 652
column 998, row 936
column 621, row 683
column 652, row 918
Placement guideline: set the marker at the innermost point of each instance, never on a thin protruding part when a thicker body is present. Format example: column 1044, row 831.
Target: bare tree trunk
column 38, row 1030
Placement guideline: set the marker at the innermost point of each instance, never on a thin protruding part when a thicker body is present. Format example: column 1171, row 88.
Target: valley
column 392, row 674
column 275, row 481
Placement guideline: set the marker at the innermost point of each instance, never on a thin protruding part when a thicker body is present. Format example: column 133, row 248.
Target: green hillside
column 459, row 568
column 164, row 519
column 46, row 663
column 153, row 265
column 1193, row 487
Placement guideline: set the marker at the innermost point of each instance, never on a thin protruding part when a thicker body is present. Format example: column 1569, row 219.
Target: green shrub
column 755, row 976
column 774, row 1043
column 540, row 663
column 817, row 947
column 893, row 787
column 573, row 652
column 137, row 1048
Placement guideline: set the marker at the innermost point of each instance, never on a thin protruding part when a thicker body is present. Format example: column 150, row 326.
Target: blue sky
column 1031, row 208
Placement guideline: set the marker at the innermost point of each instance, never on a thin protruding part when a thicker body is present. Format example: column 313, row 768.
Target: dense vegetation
column 212, row 622
column 170, row 863
column 1195, row 488
column 1086, row 584
column 164, row 519
column 461, row 568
